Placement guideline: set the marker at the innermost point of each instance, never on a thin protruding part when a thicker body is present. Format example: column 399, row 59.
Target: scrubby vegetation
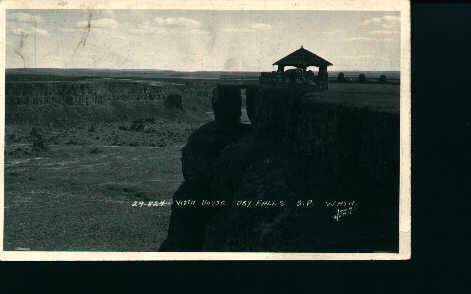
column 382, row 79
column 341, row 77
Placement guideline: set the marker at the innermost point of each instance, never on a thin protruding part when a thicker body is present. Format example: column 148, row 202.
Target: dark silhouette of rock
column 296, row 150
column 173, row 101
column 251, row 96
column 188, row 224
column 226, row 103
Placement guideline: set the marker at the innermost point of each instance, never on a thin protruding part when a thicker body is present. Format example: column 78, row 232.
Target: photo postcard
column 210, row 130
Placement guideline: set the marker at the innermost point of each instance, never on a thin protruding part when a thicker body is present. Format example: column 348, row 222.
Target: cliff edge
column 305, row 176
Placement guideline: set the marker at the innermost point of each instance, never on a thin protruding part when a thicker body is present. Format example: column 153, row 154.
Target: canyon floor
column 80, row 197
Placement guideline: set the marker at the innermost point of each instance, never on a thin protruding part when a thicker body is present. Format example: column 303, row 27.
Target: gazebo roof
column 302, row 57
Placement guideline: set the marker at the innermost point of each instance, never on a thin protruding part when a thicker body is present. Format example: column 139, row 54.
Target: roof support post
column 323, row 77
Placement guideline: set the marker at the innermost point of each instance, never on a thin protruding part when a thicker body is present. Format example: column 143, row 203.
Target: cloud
column 142, row 29
column 333, row 32
column 198, row 32
column 41, row 31
column 157, row 26
column 365, row 56
column 258, row 26
column 101, row 23
column 24, row 17
column 390, row 26
column 69, row 30
column 177, row 22
column 386, row 25
column 29, row 31
column 354, row 39
column 237, row 30
column 261, row 26
column 386, row 21
column 383, row 20
column 383, row 32
column 392, row 18
column 361, row 39
column 164, row 28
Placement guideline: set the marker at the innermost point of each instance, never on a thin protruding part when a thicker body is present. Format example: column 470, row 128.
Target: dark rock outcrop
column 226, row 103
column 188, row 224
column 297, row 150
column 173, row 101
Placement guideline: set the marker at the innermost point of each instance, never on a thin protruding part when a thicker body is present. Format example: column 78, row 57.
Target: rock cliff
column 314, row 176
column 80, row 92
column 101, row 100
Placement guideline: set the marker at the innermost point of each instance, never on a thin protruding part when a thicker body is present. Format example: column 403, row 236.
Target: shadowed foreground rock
column 187, row 224
column 296, row 149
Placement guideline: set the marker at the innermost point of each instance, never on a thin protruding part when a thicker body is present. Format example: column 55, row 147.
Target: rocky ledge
column 304, row 176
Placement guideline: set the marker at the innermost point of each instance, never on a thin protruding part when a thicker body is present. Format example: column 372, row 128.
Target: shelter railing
column 293, row 78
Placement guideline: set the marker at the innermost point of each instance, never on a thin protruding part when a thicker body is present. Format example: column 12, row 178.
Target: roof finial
column 301, row 45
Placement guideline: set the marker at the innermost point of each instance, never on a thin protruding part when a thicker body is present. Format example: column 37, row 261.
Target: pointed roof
column 302, row 57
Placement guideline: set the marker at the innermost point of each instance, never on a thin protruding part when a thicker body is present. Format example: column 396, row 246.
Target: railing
column 292, row 78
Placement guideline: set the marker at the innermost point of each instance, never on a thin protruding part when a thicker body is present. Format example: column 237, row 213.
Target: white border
column 405, row 124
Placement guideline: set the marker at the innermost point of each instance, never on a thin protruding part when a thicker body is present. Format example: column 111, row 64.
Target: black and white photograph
column 206, row 132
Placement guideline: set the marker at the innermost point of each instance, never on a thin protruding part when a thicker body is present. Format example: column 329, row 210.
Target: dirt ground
column 78, row 198
column 94, row 187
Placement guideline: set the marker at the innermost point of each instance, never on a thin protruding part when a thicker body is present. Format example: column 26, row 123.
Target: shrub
column 94, row 150
column 362, row 78
column 341, row 77
column 382, row 79
column 37, row 140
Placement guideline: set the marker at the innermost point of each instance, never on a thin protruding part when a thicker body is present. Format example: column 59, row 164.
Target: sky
column 197, row 40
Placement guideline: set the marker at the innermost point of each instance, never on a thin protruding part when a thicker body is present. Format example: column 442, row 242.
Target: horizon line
column 173, row 70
